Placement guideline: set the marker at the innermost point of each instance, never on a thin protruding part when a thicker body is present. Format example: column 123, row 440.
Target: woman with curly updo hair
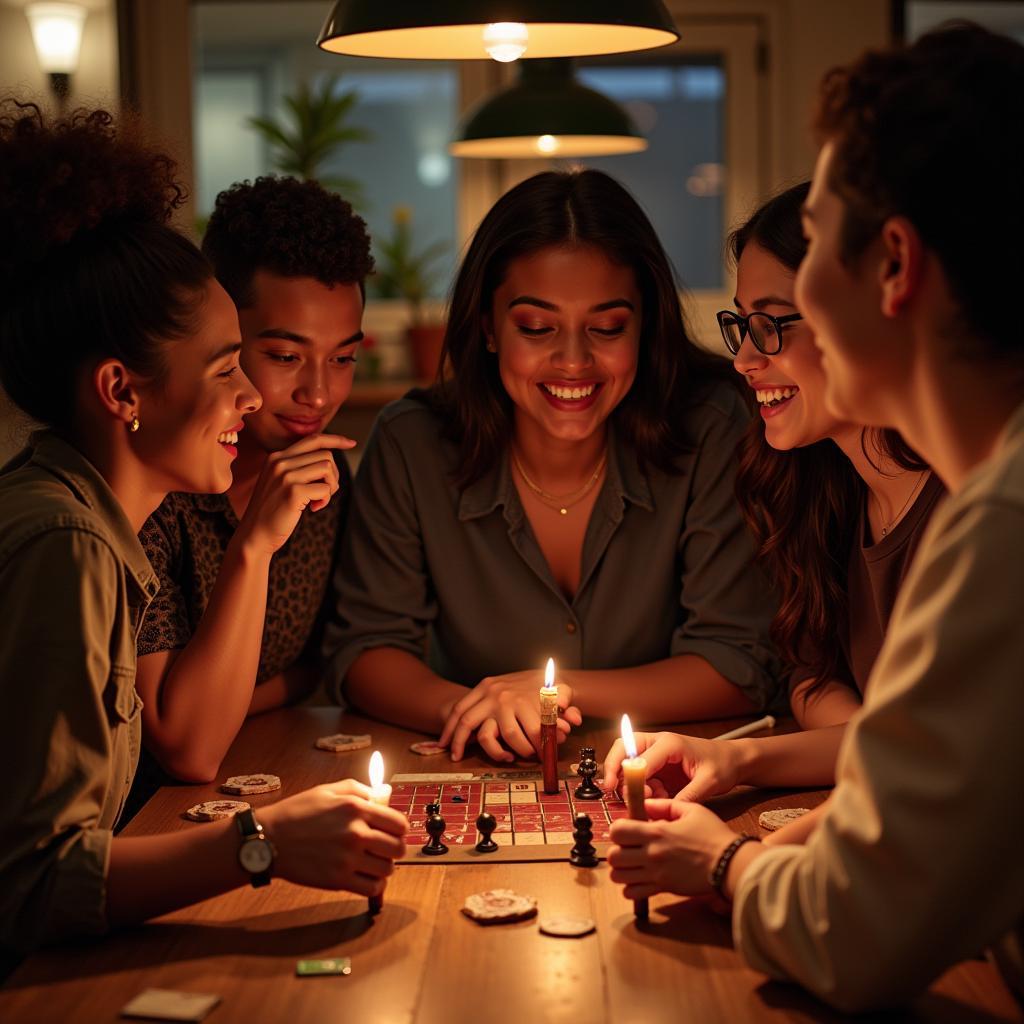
column 254, row 564
column 117, row 339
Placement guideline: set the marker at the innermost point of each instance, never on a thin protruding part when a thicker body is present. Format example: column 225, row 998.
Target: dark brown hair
column 292, row 228
column 559, row 208
column 933, row 132
column 89, row 268
column 803, row 505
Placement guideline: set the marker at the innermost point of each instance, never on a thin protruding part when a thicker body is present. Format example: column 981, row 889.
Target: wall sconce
column 57, row 34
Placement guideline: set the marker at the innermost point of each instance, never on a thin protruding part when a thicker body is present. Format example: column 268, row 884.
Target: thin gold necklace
column 899, row 515
column 565, row 502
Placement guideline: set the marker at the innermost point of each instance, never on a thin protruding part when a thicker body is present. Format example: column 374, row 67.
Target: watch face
column 256, row 856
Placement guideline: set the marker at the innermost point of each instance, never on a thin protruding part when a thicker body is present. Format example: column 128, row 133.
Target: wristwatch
column 256, row 854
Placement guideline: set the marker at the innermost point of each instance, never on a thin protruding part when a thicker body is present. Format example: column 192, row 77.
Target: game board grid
column 525, row 814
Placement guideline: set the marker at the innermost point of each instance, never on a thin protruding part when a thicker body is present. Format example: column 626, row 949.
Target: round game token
column 499, row 905
column 214, row 810
column 341, row 742
column 772, row 821
column 427, row 747
column 567, row 927
column 249, row 785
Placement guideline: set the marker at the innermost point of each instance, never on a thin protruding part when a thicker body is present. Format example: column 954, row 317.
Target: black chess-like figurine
column 583, row 854
column 486, row 824
column 435, row 829
column 586, row 770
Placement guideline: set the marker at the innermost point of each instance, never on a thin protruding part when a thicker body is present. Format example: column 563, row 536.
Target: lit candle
column 380, row 793
column 634, row 772
column 549, row 729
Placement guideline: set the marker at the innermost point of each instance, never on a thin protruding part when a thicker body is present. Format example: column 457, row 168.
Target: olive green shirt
column 919, row 860
column 74, row 583
column 666, row 564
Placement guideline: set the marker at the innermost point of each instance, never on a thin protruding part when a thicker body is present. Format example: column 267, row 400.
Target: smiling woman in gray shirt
column 565, row 491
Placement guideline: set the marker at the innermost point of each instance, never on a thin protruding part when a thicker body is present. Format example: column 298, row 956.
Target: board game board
column 532, row 825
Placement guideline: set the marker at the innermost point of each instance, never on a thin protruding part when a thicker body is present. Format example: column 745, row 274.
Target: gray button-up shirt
column 457, row 577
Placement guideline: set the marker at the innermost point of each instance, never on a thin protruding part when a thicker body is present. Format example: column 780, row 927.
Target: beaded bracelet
column 718, row 873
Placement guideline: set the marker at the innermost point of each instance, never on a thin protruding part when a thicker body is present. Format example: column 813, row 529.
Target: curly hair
column 292, row 228
column 932, row 132
column 90, row 269
column 551, row 209
column 803, row 506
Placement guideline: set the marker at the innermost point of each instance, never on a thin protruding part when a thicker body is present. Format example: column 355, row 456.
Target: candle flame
column 628, row 741
column 549, row 675
column 376, row 769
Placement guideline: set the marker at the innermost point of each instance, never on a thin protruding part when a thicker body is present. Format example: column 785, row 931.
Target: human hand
column 506, row 708
column 302, row 475
column 674, row 851
column 684, row 767
column 332, row 837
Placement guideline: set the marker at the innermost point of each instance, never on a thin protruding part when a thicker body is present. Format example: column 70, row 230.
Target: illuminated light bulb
column 57, row 34
column 547, row 143
column 505, row 41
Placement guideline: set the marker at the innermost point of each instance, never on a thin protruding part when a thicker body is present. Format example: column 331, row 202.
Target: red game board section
column 525, row 814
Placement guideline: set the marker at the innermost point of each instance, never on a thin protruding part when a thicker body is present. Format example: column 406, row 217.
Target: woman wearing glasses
column 837, row 512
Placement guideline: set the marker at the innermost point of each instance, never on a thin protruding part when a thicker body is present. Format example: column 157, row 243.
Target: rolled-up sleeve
column 917, row 863
column 55, row 670
column 727, row 601
column 381, row 589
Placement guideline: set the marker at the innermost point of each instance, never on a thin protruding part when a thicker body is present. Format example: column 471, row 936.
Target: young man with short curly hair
column 257, row 561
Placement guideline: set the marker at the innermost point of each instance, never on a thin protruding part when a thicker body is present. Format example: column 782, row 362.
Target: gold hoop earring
column 133, row 427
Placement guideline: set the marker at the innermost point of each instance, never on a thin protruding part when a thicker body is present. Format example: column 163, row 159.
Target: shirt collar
column 625, row 480
column 82, row 478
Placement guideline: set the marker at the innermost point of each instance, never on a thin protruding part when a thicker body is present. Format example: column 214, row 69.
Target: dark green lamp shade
column 547, row 114
column 454, row 29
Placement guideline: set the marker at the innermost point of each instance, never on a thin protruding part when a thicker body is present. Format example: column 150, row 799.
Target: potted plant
column 406, row 273
column 311, row 131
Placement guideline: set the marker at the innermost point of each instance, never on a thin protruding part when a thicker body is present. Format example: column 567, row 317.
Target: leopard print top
column 185, row 540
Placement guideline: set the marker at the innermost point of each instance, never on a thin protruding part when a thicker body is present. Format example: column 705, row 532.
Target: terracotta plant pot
column 425, row 345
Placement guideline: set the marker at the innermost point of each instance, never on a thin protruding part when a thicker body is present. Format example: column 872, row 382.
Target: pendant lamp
column 502, row 29
column 547, row 113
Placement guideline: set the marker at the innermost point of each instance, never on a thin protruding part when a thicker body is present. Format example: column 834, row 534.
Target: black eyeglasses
column 765, row 330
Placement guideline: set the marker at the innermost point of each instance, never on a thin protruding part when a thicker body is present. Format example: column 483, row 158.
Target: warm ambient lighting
column 57, row 34
column 458, row 29
column 547, row 113
column 628, row 740
column 505, row 41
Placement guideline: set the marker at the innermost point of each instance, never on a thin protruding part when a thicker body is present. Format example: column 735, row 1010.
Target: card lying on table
column 166, row 1004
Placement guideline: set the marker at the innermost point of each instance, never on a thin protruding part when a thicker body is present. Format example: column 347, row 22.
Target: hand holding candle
column 380, row 793
column 634, row 773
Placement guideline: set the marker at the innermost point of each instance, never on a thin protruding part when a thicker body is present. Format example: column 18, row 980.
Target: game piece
column 340, row 742
column 214, row 810
column 427, row 747
column 772, row 821
column 498, row 906
column 435, row 829
column 587, row 790
column 583, row 854
column 565, row 927
column 249, row 785
column 332, row 965
column 167, row 1004
column 486, row 823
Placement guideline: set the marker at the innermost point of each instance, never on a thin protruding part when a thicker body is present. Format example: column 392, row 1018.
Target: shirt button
column 570, row 627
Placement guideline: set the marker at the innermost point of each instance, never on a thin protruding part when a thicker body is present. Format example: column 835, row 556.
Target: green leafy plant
column 402, row 271
column 311, row 130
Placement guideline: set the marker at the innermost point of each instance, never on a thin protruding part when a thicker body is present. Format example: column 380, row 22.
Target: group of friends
column 837, row 516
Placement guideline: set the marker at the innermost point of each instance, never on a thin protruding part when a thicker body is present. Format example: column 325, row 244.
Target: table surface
column 421, row 960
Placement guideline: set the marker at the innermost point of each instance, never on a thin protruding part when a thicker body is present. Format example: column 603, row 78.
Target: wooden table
column 421, row 960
